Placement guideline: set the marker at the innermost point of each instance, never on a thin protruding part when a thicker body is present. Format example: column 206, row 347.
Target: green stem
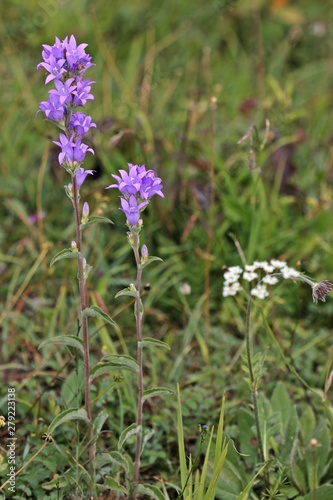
column 138, row 317
column 248, row 341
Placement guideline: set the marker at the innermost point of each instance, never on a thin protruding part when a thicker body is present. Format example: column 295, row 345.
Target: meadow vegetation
column 230, row 103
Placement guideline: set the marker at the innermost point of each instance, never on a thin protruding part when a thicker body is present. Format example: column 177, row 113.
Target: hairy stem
column 138, row 317
column 83, row 320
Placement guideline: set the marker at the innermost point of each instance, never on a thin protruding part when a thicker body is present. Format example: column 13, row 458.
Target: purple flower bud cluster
column 66, row 64
column 136, row 186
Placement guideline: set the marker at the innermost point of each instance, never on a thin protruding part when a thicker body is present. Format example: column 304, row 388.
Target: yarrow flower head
column 136, row 186
column 273, row 270
column 65, row 63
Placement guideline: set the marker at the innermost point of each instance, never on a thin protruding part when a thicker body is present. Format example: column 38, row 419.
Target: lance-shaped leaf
column 157, row 391
column 56, row 483
column 148, row 341
column 112, row 363
column 150, row 491
column 132, row 430
column 131, row 291
column 114, row 485
column 66, row 253
column 68, row 340
column 97, row 312
column 99, row 422
column 65, row 416
column 96, row 219
column 114, row 458
column 149, row 261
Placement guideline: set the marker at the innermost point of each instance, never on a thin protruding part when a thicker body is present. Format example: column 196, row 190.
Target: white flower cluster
column 255, row 271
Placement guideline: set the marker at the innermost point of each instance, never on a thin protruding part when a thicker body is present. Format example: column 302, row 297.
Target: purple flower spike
column 66, row 62
column 136, row 186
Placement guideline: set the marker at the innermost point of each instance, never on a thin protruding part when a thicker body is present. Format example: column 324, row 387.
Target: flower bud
column 86, row 269
column 74, row 246
column 144, row 254
column 85, row 213
column 69, row 190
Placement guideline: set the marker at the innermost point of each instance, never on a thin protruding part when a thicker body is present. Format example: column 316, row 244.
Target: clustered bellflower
column 66, row 63
column 136, row 186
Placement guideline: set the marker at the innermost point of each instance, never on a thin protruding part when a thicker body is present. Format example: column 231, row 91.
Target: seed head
column 320, row 290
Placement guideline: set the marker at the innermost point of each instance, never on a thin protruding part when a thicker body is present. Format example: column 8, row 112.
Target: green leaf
column 245, row 492
column 132, row 430
column 216, row 472
column 66, row 253
column 157, row 391
column 148, row 434
column 246, row 434
column 298, row 476
column 66, row 416
column 281, row 403
column 200, row 487
column 68, row 340
column 129, row 292
column 56, row 483
column 114, row 458
column 290, row 436
column 307, row 424
column 317, row 459
column 95, row 219
column 99, row 422
column 324, row 492
column 97, row 312
column 148, row 341
column 114, row 485
column 181, row 448
column 150, row 491
column 114, row 362
column 149, row 261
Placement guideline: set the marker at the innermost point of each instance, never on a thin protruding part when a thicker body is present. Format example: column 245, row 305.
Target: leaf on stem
column 112, row 363
column 65, row 416
column 132, row 430
column 114, row 458
column 99, row 422
column 97, row 312
column 96, row 219
column 148, row 341
column 68, row 340
column 66, row 253
column 150, row 491
column 130, row 291
column 157, row 391
column 149, row 261
column 114, row 485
